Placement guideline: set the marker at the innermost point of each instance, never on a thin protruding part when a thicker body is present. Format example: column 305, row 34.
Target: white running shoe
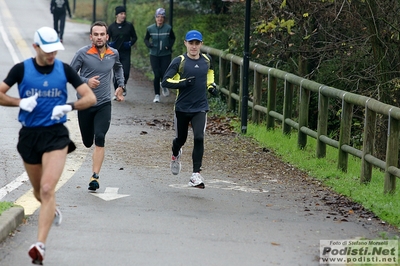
column 176, row 163
column 36, row 252
column 57, row 217
column 156, row 99
column 165, row 91
column 196, row 180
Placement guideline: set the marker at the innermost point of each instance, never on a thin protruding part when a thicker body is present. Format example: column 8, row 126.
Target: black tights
column 198, row 122
column 59, row 23
column 159, row 64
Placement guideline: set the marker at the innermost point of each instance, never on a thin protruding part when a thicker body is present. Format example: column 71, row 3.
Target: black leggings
column 59, row 19
column 198, row 122
column 94, row 123
column 159, row 64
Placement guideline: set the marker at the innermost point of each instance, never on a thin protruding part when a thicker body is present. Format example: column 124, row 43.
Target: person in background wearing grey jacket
column 159, row 39
column 95, row 64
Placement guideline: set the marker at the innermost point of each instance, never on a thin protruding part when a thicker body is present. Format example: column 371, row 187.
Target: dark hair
column 99, row 23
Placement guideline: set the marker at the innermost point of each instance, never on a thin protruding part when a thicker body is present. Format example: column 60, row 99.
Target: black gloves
column 190, row 81
column 212, row 89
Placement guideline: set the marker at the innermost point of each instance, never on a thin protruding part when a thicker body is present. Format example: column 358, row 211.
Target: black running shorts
column 34, row 142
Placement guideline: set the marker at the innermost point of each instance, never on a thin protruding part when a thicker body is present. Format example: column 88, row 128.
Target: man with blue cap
column 192, row 75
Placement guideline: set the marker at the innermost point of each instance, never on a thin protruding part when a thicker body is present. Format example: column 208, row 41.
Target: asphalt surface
column 142, row 214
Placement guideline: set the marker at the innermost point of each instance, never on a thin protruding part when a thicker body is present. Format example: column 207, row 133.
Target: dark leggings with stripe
column 198, row 122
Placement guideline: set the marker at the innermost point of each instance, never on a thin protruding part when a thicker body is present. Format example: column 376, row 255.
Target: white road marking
column 110, row 193
column 223, row 184
column 22, row 179
column 6, row 13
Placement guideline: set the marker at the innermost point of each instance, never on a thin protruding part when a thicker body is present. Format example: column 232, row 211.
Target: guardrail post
column 345, row 131
column 368, row 144
column 322, row 128
column 233, row 86
column 271, row 104
column 303, row 116
column 222, row 73
column 287, row 106
column 392, row 153
column 256, row 115
column 240, row 90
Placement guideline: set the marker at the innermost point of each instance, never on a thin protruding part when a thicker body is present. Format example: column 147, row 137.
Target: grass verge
column 371, row 196
column 5, row 205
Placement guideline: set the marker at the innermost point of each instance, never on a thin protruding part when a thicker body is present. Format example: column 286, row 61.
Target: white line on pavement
column 13, row 185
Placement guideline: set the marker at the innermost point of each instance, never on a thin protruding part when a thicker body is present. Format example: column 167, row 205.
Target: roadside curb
column 10, row 220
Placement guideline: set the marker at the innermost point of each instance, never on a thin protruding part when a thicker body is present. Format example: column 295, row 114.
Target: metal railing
column 231, row 66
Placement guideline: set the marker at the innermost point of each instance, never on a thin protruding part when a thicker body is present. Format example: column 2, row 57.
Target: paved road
column 155, row 219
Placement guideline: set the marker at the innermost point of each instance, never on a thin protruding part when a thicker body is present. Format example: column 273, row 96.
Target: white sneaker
column 156, row 99
column 165, row 91
column 176, row 163
column 57, row 217
column 36, row 252
column 196, row 180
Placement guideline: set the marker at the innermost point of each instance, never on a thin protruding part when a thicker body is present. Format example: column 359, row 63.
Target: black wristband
column 72, row 105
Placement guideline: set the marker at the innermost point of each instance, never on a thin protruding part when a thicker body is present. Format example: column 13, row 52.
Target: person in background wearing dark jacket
column 159, row 39
column 59, row 10
column 122, row 36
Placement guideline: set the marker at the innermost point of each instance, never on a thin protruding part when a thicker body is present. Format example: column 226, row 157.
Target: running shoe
column 36, row 252
column 176, row 163
column 156, row 99
column 196, row 180
column 94, row 183
column 165, row 91
column 57, row 217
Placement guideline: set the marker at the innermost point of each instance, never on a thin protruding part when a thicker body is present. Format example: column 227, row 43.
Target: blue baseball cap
column 193, row 35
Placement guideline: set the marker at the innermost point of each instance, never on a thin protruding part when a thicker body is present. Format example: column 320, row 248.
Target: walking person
column 122, row 36
column 95, row 64
column 159, row 39
column 59, row 10
column 43, row 139
column 192, row 74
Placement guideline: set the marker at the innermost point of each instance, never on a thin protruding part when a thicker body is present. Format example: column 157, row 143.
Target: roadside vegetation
column 371, row 196
column 5, row 205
